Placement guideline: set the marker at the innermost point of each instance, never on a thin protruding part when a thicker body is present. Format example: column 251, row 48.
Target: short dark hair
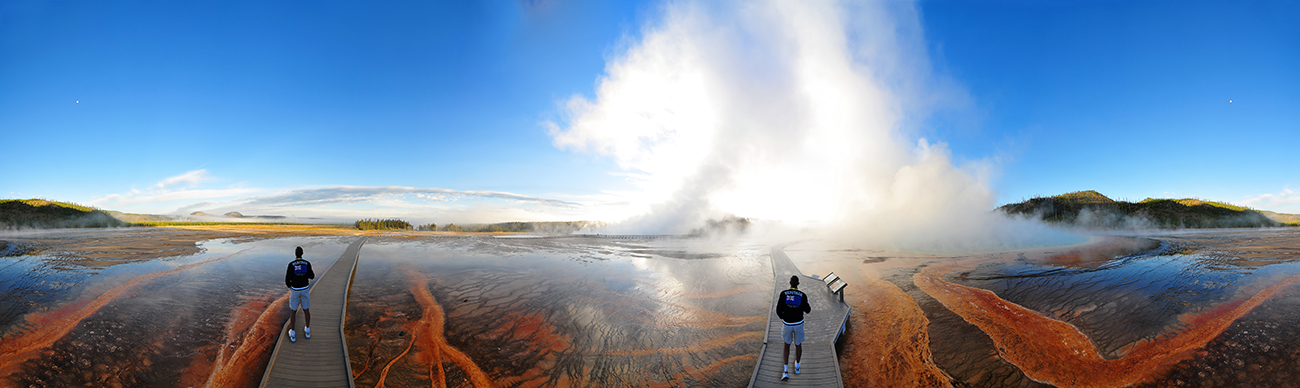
column 794, row 281
column 298, row 252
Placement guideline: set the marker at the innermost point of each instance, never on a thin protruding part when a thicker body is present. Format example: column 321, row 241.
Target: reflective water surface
column 563, row 311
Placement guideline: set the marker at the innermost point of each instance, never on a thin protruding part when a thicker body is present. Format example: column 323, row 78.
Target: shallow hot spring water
column 572, row 312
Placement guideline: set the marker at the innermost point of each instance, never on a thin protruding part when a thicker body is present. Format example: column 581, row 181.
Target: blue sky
column 1130, row 99
column 459, row 111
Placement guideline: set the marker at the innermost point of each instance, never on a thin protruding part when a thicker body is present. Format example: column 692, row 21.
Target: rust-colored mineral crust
column 891, row 344
column 1057, row 353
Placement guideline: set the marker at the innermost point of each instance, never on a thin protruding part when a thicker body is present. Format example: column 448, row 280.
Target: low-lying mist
column 803, row 116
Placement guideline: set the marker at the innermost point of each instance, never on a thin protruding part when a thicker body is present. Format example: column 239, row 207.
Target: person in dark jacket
column 298, row 278
column 791, row 308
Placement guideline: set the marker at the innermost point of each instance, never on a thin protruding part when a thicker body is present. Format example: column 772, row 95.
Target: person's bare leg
column 293, row 319
column 307, row 313
column 785, row 362
column 798, row 353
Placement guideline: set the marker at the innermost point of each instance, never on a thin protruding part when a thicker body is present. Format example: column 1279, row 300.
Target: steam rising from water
column 798, row 112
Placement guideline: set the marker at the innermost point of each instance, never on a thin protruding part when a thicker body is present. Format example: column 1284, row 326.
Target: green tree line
column 390, row 224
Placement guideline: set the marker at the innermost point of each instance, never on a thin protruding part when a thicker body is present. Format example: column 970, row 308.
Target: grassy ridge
column 40, row 213
column 1284, row 218
column 1092, row 209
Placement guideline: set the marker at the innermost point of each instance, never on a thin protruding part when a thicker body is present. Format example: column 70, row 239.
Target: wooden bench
column 835, row 284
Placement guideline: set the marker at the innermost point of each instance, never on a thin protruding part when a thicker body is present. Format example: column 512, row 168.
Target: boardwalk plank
column 278, row 382
column 317, row 376
column 321, row 361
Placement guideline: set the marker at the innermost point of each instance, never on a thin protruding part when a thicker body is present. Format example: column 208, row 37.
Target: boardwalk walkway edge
column 355, row 250
column 343, row 314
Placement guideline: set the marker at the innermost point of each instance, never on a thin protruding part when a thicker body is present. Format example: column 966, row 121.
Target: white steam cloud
column 792, row 111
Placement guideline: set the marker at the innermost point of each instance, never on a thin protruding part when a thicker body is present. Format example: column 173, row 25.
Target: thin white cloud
column 156, row 196
column 190, row 177
column 416, row 204
column 186, row 193
column 357, row 194
column 166, row 192
column 187, row 209
column 1286, row 201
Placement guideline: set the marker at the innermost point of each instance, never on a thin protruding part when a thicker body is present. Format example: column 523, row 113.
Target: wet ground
column 166, row 307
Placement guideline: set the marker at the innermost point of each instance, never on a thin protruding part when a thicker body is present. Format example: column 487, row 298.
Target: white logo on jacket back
column 793, row 299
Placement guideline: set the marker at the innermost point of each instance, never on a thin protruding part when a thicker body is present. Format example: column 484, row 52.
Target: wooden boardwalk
column 822, row 327
column 321, row 361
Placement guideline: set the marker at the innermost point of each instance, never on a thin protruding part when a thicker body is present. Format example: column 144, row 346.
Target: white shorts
column 792, row 334
column 297, row 297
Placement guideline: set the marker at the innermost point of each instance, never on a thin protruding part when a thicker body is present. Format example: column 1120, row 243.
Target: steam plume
column 792, row 111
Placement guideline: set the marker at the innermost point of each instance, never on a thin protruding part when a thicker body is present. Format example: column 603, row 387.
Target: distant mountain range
column 1091, row 209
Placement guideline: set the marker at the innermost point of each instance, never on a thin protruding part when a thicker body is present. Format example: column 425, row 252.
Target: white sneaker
column 796, row 365
column 785, row 376
column 291, row 338
column 307, row 331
